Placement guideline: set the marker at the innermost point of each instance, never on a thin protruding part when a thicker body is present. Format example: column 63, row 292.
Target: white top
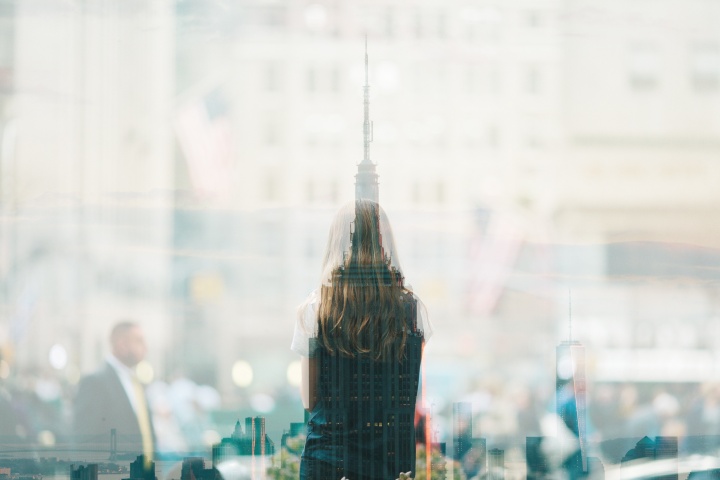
column 306, row 323
column 126, row 375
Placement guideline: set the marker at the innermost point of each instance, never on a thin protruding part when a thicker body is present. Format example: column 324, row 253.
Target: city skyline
column 179, row 165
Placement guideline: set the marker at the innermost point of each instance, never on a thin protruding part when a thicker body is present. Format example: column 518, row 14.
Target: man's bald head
column 127, row 343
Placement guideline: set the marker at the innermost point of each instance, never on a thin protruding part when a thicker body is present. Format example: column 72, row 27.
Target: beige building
column 87, row 175
column 505, row 128
column 641, row 119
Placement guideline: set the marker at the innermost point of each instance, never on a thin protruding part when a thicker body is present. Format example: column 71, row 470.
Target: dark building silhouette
column 496, row 464
column 369, row 403
column 537, row 464
column 84, row 472
column 297, row 429
column 359, row 386
column 252, row 441
column 713, row 474
column 363, row 423
column 571, row 405
column 142, row 470
column 661, row 449
column 193, row 468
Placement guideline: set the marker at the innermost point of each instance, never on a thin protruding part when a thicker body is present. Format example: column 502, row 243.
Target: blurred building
column 86, row 174
column 462, row 428
column 193, row 468
column 142, row 470
column 180, row 163
column 635, row 189
column 663, row 450
column 454, row 119
column 252, row 441
column 503, row 107
column 84, row 472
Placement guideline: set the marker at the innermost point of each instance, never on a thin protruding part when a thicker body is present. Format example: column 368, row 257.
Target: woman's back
column 363, row 422
column 361, row 335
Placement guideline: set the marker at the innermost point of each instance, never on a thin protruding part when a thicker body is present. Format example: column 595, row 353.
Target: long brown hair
column 363, row 303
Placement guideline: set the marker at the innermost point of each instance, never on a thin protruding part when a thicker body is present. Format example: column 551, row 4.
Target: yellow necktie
column 143, row 419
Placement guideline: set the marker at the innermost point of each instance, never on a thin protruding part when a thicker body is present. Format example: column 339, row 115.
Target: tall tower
column 366, row 180
column 462, row 429
column 113, row 444
column 571, row 403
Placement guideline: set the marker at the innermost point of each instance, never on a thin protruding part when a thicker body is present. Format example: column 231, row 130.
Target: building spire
column 366, row 62
column 570, row 315
column 366, row 180
column 367, row 124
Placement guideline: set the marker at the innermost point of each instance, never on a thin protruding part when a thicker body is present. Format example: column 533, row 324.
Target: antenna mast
column 367, row 124
column 570, row 314
column 366, row 179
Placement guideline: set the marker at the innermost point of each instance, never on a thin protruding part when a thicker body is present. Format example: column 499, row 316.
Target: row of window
column 329, row 192
column 646, row 67
column 645, row 70
column 386, row 77
column 388, row 22
column 419, row 133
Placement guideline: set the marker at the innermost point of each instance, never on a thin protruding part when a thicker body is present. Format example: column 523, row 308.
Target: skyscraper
column 142, row 470
column 84, row 472
column 570, row 398
column 462, row 429
column 193, row 468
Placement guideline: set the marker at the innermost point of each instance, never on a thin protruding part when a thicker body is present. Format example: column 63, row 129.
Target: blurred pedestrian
column 114, row 398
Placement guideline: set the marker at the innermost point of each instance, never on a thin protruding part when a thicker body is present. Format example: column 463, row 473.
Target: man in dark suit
column 114, row 398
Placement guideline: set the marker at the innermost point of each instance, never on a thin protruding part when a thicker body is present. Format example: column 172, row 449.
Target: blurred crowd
column 36, row 409
column 36, row 406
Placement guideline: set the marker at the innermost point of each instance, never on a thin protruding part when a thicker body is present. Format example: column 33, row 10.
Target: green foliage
column 286, row 463
column 438, row 466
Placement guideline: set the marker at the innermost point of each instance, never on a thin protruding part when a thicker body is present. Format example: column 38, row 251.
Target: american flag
column 204, row 132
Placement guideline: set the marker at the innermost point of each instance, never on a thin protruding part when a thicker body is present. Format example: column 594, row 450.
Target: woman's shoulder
column 311, row 302
column 306, row 324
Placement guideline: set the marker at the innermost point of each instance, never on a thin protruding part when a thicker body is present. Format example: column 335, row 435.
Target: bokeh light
column 58, row 357
column 242, row 373
column 294, row 374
